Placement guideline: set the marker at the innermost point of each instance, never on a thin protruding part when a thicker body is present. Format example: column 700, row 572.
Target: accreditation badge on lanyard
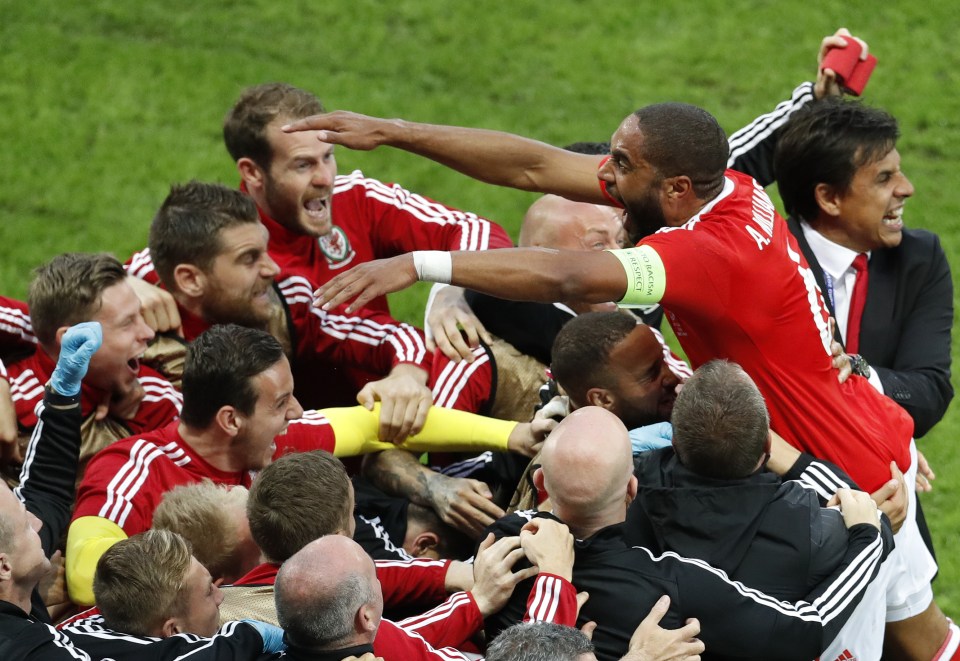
column 828, row 283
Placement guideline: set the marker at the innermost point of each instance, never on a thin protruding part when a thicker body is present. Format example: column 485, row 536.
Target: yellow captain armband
column 89, row 538
column 646, row 277
column 356, row 431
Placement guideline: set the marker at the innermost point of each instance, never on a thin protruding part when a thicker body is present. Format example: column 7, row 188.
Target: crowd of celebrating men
column 227, row 447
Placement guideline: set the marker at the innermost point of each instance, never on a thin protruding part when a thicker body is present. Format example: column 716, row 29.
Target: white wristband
column 433, row 265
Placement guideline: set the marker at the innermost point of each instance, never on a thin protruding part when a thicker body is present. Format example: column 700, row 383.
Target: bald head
column 555, row 222
column 327, row 594
column 587, row 468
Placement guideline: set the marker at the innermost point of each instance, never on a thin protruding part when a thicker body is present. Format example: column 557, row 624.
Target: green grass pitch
column 106, row 103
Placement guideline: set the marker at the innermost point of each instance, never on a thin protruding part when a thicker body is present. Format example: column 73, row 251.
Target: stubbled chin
column 314, row 227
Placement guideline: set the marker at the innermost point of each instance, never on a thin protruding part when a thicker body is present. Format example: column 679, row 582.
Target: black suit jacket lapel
column 881, row 299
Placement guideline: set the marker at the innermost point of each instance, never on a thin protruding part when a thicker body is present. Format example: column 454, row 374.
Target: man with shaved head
column 556, row 222
column 587, row 470
column 590, row 483
column 559, row 224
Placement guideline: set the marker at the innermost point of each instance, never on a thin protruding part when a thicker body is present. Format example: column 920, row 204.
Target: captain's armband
column 646, row 277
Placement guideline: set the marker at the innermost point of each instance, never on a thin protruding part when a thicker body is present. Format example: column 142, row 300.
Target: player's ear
column 229, row 420
column 828, row 199
column 631, row 489
column 169, row 628
column 678, row 187
column 59, row 335
column 538, row 480
column 425, row 543
column 600, row 397
column 251, row 173
column 366, row 619
column 190, row 280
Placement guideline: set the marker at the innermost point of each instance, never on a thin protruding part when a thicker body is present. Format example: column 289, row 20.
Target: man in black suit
column 838, row 173
column 837, row 169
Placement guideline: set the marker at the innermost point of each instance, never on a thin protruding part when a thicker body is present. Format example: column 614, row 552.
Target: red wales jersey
column 126, row 481
column 160, row 404
column 371, row 220
column 737, row 287
column 336, row 354
column 16, row 329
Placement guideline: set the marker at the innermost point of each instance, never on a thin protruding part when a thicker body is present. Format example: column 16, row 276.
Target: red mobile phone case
column 843, row 60
column 852, row 73
column 856, row 81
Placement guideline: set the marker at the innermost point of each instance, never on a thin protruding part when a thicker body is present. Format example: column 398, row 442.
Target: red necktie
column 857, row 301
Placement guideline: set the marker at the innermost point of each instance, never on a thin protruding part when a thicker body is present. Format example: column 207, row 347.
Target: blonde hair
column 202, row 513
column 139, row 581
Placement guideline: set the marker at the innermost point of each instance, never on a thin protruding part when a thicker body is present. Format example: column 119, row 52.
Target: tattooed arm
column 465, row 504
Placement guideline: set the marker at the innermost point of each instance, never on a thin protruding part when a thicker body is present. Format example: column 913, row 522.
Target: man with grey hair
column 337, row 609
column 546, row 641
column 541, row 641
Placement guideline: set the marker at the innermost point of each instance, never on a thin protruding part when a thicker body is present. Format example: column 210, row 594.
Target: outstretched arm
column 497, row 158
column 524, row 274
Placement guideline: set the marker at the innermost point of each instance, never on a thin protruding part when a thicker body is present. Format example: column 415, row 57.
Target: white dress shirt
column 839, row 276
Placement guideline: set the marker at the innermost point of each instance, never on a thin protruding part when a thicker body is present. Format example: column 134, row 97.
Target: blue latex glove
column 272, row 636
column 651, row 437
column 78, row 345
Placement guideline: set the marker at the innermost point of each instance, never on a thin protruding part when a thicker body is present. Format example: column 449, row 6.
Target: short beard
column 643, row 218
column 220, row 310
column 281, row 210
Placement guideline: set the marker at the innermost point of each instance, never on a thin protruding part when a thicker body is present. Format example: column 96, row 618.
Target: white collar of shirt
column 839, row 276
column 833, row 258
column 837, row 262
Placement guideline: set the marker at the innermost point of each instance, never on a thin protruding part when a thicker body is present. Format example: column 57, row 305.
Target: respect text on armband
column 645, row 276
column 643, row 281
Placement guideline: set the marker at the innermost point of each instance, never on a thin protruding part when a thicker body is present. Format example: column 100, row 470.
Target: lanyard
column 828, row 282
